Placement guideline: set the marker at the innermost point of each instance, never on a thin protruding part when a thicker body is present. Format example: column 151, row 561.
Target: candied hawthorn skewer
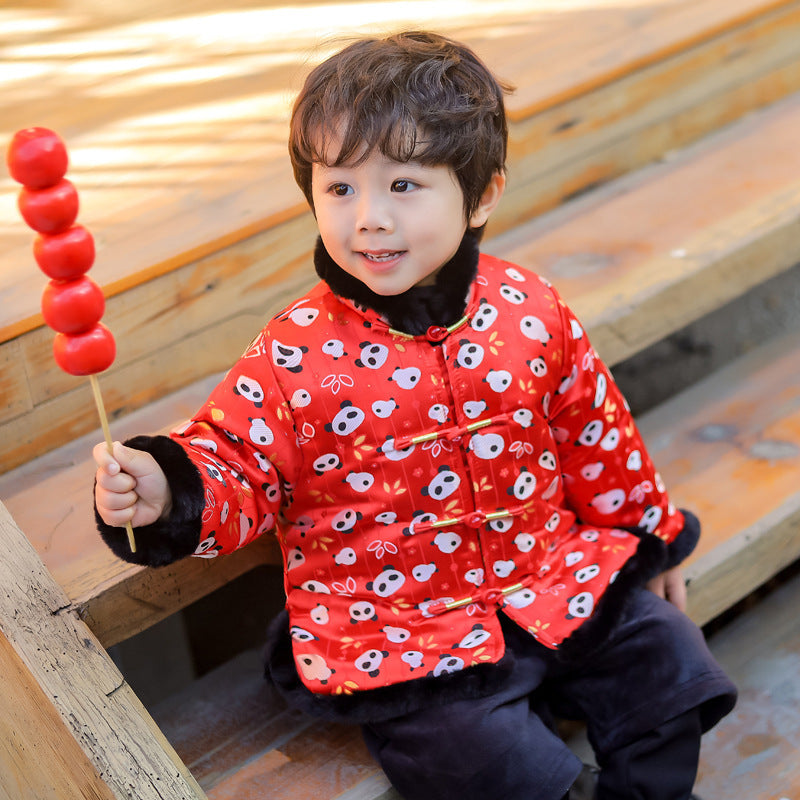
column 72, row 303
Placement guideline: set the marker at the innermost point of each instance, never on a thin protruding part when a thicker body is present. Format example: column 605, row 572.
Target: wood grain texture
column 59, row 662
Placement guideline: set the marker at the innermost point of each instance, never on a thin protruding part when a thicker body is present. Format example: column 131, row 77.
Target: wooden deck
column 654, row 177
column 175, row 117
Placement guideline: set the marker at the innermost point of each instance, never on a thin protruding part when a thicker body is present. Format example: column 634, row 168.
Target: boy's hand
column 671, row 586
column 131, row 487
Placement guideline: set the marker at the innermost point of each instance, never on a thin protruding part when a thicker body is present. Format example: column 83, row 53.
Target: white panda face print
column 334, row 348
column 610, row 441
column 552, row 523
column 580, row 606
column 250, row 389
column 443, row 485
column 370, row 662
column 569, row 381
column 487, row 446
column 387, row 583
column 512, row 294
column 300, row 399
column 447, row 541
column 498, row 379
column 521, row 599
column 314, row 667
column 294, row 558
column 423, row 572
column 345, row 520
column 538, row 367
column 525, row 542
column 590, row 536
column 600, row 391
column 206, row 444
column 476, row 637
column 386, row 517
column 551, row 489
column 438, row 413
column 260, row 433
column 406, row 378
column 287, row 357
column 592, row 433
column 591, row 472
column 263, row 462
column 503, row 567
column 573, row 558
column 413, row 658
column 474, row 408
column 515, row 274
column 484, row 318
column 474, row 576
column 651, row 518
column 320, row 615
column 502, row 525
column 388, row 449
column 534, row 329
column 585, row 574
column 396, row 635
column 524, row 485
column 523, row 417
column 373, row 356
column 346, row 557
column 608, row 502
column 347, row 420
column 634, row 461
column 547, row 460
column 301, row 634
column 575, row 329
column 360, row 481
column 303, row 316
column 315, row 586
column 383, row 409
column 327, row 462
column 470, row 355
column 362, row 611
column 448, row 664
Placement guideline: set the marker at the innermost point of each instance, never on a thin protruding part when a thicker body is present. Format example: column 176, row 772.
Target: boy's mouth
column 379, row 256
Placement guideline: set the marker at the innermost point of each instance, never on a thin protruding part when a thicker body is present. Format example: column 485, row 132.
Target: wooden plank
column 729, row 449
column 649, row 253
column 752, row 753
column 39, row 757
column 203, row 190
column 67, row 668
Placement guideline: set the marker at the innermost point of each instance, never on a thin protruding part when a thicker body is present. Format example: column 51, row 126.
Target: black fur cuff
column 177, row 536
column 685, row 542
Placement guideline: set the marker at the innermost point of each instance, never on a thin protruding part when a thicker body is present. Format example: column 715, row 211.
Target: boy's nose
column 373, row 215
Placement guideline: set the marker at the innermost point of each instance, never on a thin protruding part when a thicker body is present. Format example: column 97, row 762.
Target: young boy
column 467, row 512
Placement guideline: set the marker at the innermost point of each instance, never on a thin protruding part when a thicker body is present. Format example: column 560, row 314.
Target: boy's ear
column 489, row 200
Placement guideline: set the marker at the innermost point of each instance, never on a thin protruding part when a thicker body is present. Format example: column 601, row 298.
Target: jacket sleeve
column 230, row 469
column 609, row 477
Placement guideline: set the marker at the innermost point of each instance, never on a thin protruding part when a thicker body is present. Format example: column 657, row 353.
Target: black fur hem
column 375, row 705
column 415, row 310
column 177, row 536
column 653, row 556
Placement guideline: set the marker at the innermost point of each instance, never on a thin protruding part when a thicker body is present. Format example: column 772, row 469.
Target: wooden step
column 753, row 752
column 178, row 152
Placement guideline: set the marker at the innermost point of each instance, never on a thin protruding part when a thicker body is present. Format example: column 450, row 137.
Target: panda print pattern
column 418, row 485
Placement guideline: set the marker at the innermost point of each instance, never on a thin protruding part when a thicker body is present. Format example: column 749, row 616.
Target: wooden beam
column 87, row 730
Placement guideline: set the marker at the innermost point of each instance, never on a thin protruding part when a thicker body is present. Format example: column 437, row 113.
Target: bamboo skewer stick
column 101, row 410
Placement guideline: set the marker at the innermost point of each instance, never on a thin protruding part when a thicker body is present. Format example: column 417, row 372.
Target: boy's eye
column 341, row 189
column 402, row 185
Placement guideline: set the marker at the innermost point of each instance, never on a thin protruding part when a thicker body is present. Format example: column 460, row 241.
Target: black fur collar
column 415, row 310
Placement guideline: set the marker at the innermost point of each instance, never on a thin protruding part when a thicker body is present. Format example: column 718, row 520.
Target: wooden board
column 752, row 753
column 191, row 246
column 86, row 730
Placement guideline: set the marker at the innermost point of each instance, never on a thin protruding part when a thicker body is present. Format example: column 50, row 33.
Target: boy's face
column 389, row 224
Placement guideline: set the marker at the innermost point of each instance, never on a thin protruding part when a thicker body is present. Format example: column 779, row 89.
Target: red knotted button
column 475, row 520
column 436, row 333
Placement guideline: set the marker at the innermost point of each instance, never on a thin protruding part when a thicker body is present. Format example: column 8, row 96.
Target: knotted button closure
column 436, row 333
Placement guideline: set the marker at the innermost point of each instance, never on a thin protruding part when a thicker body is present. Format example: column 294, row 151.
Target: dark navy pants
column 647, row 696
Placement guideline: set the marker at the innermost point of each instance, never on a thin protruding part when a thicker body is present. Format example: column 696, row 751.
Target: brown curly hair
column 415, row 96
